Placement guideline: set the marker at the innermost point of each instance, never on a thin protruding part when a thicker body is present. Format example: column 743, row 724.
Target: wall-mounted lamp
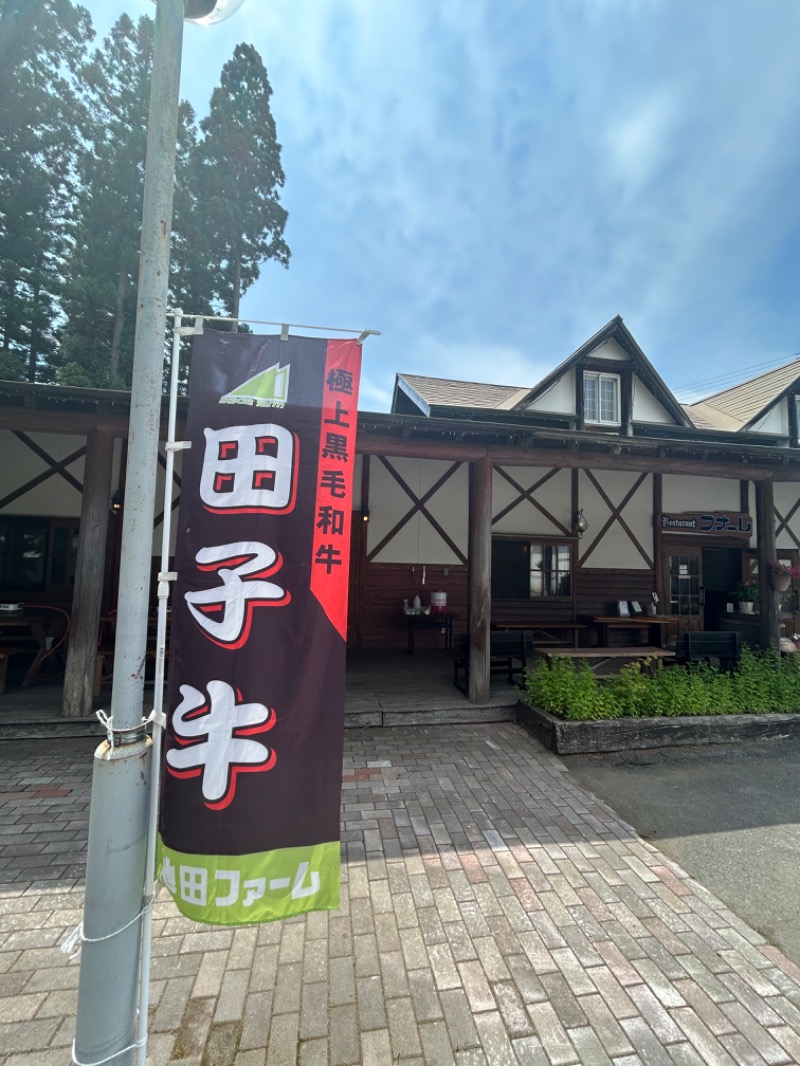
column 365, row 515
column 581, row 525
column 117, row 501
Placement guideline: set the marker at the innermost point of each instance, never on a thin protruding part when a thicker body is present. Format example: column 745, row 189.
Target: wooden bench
column 702, row 647
column 507, row 655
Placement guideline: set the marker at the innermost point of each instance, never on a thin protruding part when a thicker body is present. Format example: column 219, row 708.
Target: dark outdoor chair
column 705, row 646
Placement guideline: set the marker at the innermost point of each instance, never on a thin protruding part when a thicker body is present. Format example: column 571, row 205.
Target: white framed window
column 797, row 418
column 601, row 398
column 525, row 568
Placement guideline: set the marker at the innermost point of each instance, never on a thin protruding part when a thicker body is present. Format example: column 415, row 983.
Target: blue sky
column 488, row 182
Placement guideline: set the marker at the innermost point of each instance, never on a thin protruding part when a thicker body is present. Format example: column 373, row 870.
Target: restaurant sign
column 716, row 523
column 251, row 789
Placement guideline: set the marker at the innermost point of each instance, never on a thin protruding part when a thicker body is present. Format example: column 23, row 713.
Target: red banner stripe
column 330, row 554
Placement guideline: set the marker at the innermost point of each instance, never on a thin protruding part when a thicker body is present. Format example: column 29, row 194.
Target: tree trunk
column 237, row 285
column 34, row 335
column 119, row 322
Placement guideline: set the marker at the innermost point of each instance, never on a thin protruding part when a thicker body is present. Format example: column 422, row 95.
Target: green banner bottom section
column 244, row 889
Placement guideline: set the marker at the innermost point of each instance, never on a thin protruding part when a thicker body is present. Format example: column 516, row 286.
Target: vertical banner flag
column 251, row 787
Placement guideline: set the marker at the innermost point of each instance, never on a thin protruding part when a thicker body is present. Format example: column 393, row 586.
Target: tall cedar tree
column 100, row 295
column 42, row 43
column 240, row 176
column 191, row 277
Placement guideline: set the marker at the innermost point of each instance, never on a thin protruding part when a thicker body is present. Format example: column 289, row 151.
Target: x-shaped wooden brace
column 616, row 516
column 419, row 506
column 527, row 494
column 55, row 467
column 176, row 480
column 783, row 523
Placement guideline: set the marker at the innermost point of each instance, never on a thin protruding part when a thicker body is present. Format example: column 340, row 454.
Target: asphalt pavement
column 728, row 814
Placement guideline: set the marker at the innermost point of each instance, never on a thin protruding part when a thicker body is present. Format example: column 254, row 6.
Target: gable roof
column 427, row 393
column 614, row 330
column 741, row 405
column 444, row 392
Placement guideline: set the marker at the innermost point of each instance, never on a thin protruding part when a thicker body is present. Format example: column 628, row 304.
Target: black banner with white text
column 251, row 787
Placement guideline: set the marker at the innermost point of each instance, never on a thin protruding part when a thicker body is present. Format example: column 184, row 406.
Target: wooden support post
column 480, row 575
column 90, row 569
column 767, row 600
column 658, row 543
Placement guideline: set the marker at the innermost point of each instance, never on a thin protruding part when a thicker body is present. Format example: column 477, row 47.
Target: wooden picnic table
column 596, row 658
column 546, row 632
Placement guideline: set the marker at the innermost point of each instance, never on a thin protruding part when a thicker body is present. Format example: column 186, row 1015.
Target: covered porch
column 383, row 688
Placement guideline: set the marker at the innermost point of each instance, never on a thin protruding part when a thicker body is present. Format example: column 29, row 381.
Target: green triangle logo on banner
column 270, row 388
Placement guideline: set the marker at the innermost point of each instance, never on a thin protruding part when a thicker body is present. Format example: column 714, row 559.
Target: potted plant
column 781, row 574
column 747, row 594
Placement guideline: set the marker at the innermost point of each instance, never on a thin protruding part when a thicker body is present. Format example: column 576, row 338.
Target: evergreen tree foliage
column 100, row 296
column 240, row 176
column 72, row 153
column 42, row 45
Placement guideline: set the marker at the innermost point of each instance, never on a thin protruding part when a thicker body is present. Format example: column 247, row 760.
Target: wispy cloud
column 490, row 183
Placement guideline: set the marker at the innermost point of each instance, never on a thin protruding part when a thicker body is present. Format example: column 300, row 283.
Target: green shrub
column 572, row 692
column 763, row 683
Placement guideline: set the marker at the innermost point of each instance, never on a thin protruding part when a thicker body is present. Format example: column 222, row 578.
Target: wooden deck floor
column 382, row 689
column 393, row 688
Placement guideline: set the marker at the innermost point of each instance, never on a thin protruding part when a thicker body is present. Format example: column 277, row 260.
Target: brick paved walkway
column 494, row 914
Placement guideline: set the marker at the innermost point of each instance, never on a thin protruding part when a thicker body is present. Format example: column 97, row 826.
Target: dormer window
column 601, row 398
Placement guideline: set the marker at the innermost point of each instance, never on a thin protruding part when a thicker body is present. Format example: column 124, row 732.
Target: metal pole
column 115, row 872
column 158, row 694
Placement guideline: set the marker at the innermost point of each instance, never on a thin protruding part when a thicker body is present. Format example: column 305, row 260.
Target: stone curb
column 623, row 734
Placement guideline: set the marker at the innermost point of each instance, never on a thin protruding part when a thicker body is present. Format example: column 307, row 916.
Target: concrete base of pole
column 108, row 987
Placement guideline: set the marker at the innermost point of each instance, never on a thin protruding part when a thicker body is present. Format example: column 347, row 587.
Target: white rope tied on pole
column 107, row 722
column 110, row 1058
column 71, row 943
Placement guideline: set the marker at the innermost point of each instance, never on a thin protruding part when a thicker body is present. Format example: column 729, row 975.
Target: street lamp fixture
column 205, row 12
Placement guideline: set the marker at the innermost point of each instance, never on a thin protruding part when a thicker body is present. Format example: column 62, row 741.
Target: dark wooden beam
column 480, row 577
column 794, row 429
column 66, row 422
column 70, row 423
column 361, row 547
column 626, row 402
column 649, row 464
column 658, row 506
column 580, row 401
column 567, row 458
column 89, row 574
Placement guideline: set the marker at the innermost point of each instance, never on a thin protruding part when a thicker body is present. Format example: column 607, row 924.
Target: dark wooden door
column 683, row 573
